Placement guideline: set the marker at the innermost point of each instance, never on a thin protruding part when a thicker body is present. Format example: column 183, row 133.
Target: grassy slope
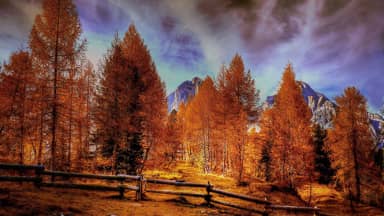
column 25, row 199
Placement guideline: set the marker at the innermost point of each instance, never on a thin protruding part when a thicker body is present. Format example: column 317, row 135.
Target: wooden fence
column 139, row 181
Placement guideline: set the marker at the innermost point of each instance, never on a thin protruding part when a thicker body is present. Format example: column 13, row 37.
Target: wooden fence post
column 121, row 188
column 208, row 196
column 38, row 171
column 139, row 192
column 265, row 213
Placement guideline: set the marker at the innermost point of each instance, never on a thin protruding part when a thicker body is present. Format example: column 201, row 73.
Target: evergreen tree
column 129, row 158
column 379, row 155
column 322, row 161
column 265, row 160
column 266, row 143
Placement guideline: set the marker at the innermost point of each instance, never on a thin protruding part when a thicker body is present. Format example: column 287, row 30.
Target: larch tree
column 252, row 153
column 17, row 87
column 113, row 98
column 149, row 101
column 240, row 99
column 350, row 141
column 55, row 46
column 181, row 117
column 202, row 124
column 131, row 104
column 222, row 117
column 292, row 152
column 168, row 152
column 84, row 95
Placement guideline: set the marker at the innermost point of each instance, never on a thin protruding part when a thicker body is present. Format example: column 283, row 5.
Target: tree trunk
column 356, row 167
column 54, row 105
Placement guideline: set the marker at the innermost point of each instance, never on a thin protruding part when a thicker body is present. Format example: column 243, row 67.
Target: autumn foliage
column 288, row 129
column 130, row 104
column 350, row 142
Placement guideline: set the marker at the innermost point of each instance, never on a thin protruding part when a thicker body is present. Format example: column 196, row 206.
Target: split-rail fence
column 138, row 184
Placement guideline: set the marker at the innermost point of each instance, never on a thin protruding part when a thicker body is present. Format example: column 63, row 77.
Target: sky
column 331, row 44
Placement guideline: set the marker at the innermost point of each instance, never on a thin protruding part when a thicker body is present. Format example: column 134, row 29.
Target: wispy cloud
column 331, row 43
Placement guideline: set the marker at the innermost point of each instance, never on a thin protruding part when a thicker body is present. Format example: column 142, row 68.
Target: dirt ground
column 28, row 200
column 25, row 199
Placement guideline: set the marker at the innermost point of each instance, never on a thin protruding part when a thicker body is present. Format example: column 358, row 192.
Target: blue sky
column 332, row 44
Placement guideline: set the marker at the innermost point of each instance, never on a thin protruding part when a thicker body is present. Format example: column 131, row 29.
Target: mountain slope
column 183, row 92
column 322, row 108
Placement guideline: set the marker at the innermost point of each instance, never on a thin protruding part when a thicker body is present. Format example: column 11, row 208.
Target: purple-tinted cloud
column 331, row 43
column 101, row 16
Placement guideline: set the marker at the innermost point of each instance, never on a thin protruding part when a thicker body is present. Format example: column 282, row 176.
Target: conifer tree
column 149, row 101
column 17, row 88
column 172, row 141
column 202, row 123
column 266, row 140
column 222, row 114
column 131, row 104
column 112, row 116
column 239, row 105
column 292, row 151
column 350, row 141
column 55, row 45
column 322, row 161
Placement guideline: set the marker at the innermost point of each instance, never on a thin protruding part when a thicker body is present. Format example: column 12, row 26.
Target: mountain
column 377, row 124
column 322, row 108
column 183, row 92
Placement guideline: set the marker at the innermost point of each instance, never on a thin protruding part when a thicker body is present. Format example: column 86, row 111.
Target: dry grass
column 28, row 200
column 25, row 199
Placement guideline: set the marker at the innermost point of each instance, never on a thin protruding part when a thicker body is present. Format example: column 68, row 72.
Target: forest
column 59, row 110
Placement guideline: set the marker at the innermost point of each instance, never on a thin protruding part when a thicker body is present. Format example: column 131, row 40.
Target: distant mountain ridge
column 183, row 93
column 322, row 108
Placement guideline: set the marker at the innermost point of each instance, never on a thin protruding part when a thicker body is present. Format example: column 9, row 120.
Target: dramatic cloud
column 331, row 43
column 16, row 20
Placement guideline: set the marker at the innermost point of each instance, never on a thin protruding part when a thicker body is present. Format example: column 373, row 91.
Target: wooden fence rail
column 176, row 183
column 121, row 187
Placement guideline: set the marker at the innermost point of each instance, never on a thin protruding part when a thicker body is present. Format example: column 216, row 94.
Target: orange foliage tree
column 201, row 125
column 56, row 49
column 350, row 141
column 17, row 89
column 169, row 152
column 292, row 152
column 238, row 106
column 149, row 91
column 131, row 104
